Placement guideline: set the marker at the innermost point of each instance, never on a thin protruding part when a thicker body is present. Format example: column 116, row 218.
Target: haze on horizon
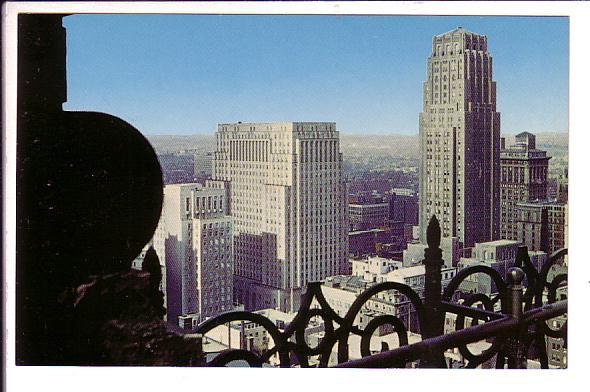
column 183, row 74
column 344, row 132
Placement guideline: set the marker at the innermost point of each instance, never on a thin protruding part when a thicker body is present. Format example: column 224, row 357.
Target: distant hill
column 173, row 143
column 395, row 146
column 355, row 145
column 402, row 146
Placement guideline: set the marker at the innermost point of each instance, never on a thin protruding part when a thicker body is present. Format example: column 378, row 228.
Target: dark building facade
column 366, row 216
column 523, row 179
column 403, row 207
column 562, row 187
column 541, row 225
column 365, row 242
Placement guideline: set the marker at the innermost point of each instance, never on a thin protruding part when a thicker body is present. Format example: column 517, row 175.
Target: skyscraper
column 288, row 201
column 460, row 140
column 524, row 178
column 194, row 238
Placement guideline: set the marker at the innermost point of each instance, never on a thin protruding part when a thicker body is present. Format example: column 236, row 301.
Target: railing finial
column 515, row 276
column 521, row 255
column 516, row 352
column 151, row 264
column 433, row 233
column 432, row 291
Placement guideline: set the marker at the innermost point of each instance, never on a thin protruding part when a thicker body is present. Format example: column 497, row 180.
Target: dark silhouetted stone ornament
column 115, row 322
column 89, row 197
column 151, row 265
column 95, row 191
column 433, row 233
column 432, row 290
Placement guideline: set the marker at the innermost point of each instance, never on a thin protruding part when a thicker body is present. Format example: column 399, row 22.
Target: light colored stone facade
column 451, row 252
column 499, row 255
column 288, row 201
column 374, row 269
column 194, row 240
column 460, row 140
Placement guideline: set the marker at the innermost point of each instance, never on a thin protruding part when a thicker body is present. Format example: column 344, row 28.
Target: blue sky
column 183, row 74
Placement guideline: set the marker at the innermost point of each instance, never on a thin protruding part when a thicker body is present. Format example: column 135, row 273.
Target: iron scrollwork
column 290, row 344
column 528, row 336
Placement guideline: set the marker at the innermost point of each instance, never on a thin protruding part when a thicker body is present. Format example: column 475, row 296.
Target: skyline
column 363, row 72
column 272, row 196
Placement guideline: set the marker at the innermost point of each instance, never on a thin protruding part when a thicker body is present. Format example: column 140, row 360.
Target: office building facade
column 499, row 255
column 460, row 140
column 366, row 216
column 524, row 171
column 194, row 241
column 542, row 225
column 203, row 166
column 288, row 202
column 403, row 207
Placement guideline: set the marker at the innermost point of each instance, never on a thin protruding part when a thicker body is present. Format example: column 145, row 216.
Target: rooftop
column 289, row 123
column 346, row 282
column 377, row 258
column 541, row 203
column 275, row 314
column 525, row 134
column 372, row 204
column 521, row 150
column 498, row 243
column 408, row 272
column 411, row 271
column 459, row 30
column 195, row 185
column 366, row 231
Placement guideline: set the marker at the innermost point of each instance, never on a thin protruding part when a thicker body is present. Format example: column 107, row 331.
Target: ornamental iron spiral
column 292, row 349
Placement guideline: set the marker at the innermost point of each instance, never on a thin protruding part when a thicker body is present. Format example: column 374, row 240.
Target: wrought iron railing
column 513, row 322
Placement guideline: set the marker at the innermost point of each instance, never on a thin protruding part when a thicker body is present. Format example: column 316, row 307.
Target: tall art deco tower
column 460, row 140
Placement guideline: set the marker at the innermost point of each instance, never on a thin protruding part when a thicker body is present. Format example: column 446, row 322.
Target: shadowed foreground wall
column 89, row 196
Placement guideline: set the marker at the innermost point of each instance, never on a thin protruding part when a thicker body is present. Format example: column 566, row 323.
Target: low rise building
column 251, row 336
column 374, row 269
column 499, row 255
column 451, row 252
column 364, row 242
column 556, row 350
column 365, row 216
column 341, row 291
